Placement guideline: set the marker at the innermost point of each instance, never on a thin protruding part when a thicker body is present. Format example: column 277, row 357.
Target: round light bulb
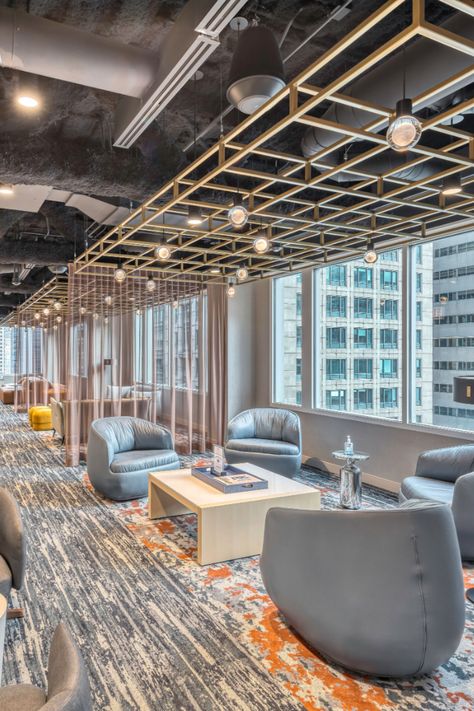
column 23, row 323
column 59, row 319
column 108, row 300
column 404, row 130
column 82, row 310
column 139, row 312
column 242, row 273
column 95, row 316
column 55, row 328
column 41, row 324
column 371, row 256
column 163, row 252
column 261, row 244
column 175, row 304
column 238, row 213
column 120, row 275
column 28, row 101
column 46, row 311
column 444, row 299
column 150, row 285
column 57, row 306
column 37, row 316
column 231, row 291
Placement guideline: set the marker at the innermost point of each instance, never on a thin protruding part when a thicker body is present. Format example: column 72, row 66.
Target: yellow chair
column 41, row 418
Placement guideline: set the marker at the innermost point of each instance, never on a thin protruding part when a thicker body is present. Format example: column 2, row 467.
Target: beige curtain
column 155, row 353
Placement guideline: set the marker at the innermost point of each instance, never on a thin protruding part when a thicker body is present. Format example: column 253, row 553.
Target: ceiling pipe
column 52, row 49
column 382, row 86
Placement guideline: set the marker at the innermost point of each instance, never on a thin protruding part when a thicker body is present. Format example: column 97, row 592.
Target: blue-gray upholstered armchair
column 122, row 451
column 268, row 437
column 447, row 475
column 68, row 685
column 378, row 592
column 12, row 548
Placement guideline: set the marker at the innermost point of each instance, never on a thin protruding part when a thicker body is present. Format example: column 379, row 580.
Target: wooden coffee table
column 229, row 525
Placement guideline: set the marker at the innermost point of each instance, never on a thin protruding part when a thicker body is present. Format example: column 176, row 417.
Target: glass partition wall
column 389, row 338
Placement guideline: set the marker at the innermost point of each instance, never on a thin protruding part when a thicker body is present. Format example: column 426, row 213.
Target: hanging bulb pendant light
column 261, row 243
column 371, row 256
column 194, row 216
column 405, row 129
column 238, row 214
column 256, row 72
column 451, row 185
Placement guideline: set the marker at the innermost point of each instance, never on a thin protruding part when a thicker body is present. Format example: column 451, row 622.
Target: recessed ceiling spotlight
column 215, row 270
column 150, row 285
column 261, row 243
column 405, row 129
column 242, row 273
column 452, row 185
column 371, row 256
column 163, row 252
column 6, row 189
column 238, row 213
column 120, row 275
column 28, row 101
column 195, row 216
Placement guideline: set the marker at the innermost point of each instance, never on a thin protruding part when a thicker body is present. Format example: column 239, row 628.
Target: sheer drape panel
column 217, row 362
column 139, row 348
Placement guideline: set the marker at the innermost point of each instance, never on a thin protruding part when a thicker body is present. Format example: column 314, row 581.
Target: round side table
column 350, row 478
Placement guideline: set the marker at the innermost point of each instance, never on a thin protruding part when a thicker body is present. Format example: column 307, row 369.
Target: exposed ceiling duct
column 192, row 39
column 382, row 86
column 53, row 49
column 256, row 72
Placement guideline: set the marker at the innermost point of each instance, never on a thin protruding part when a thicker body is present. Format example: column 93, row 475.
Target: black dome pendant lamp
column 256, row 72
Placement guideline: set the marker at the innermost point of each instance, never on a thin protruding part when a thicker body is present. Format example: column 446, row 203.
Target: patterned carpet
column 159, row 632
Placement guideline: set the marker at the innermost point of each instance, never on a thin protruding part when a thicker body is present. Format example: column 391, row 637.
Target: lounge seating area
column 237, row 356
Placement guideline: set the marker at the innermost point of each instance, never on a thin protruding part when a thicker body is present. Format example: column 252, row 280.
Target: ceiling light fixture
column 242, row 273
column 95, row 316
column 120, row 275
column 261, row 243
column 194, row 216
column 231, row 291
column 57, row 306
column 46, row 311
column 108, row 300
column 150, row 285
column 215, row 270
column 163, row 252
column 59, row 319
column 238, row 213
column 405, row 129
column 371, row 256
column 6, row 189
column 28, row 101
column 37, row 316
column 452, row 185
column 82, row 310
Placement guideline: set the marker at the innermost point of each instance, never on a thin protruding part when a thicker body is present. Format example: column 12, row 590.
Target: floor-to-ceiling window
column 288, row 337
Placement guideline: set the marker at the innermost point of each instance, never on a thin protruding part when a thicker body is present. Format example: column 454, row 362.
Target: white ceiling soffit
column 192, row 39
column 27, row 198
column 97, row 210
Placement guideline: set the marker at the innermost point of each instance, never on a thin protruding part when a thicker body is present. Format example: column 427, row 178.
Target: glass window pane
column 358, row 324
column 443, row 334
column 287, row 339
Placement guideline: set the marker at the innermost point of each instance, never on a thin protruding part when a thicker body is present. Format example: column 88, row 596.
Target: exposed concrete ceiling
column 68, row 144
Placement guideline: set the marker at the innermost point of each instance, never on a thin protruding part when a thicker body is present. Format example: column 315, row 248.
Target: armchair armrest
column 242, row 426
column 463, row 512
column 12, row 537
column 446, row 464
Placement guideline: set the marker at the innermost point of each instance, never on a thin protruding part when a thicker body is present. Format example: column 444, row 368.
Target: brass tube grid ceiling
column 309, row 219
column 305, row 232
column 53, row 291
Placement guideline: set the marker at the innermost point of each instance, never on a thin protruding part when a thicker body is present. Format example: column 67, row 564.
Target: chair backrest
column 12, row 537
column 124, row 434
column 57, row 416
column 271, row 423
column 347, row 580
column 68, row 685
column 446, row 463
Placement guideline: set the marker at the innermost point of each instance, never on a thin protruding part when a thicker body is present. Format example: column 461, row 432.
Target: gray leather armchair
column 268, row 437
column 122, row 451
column 379, row 592
column 68, row 685
column 447, row 475
column 12, row 548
